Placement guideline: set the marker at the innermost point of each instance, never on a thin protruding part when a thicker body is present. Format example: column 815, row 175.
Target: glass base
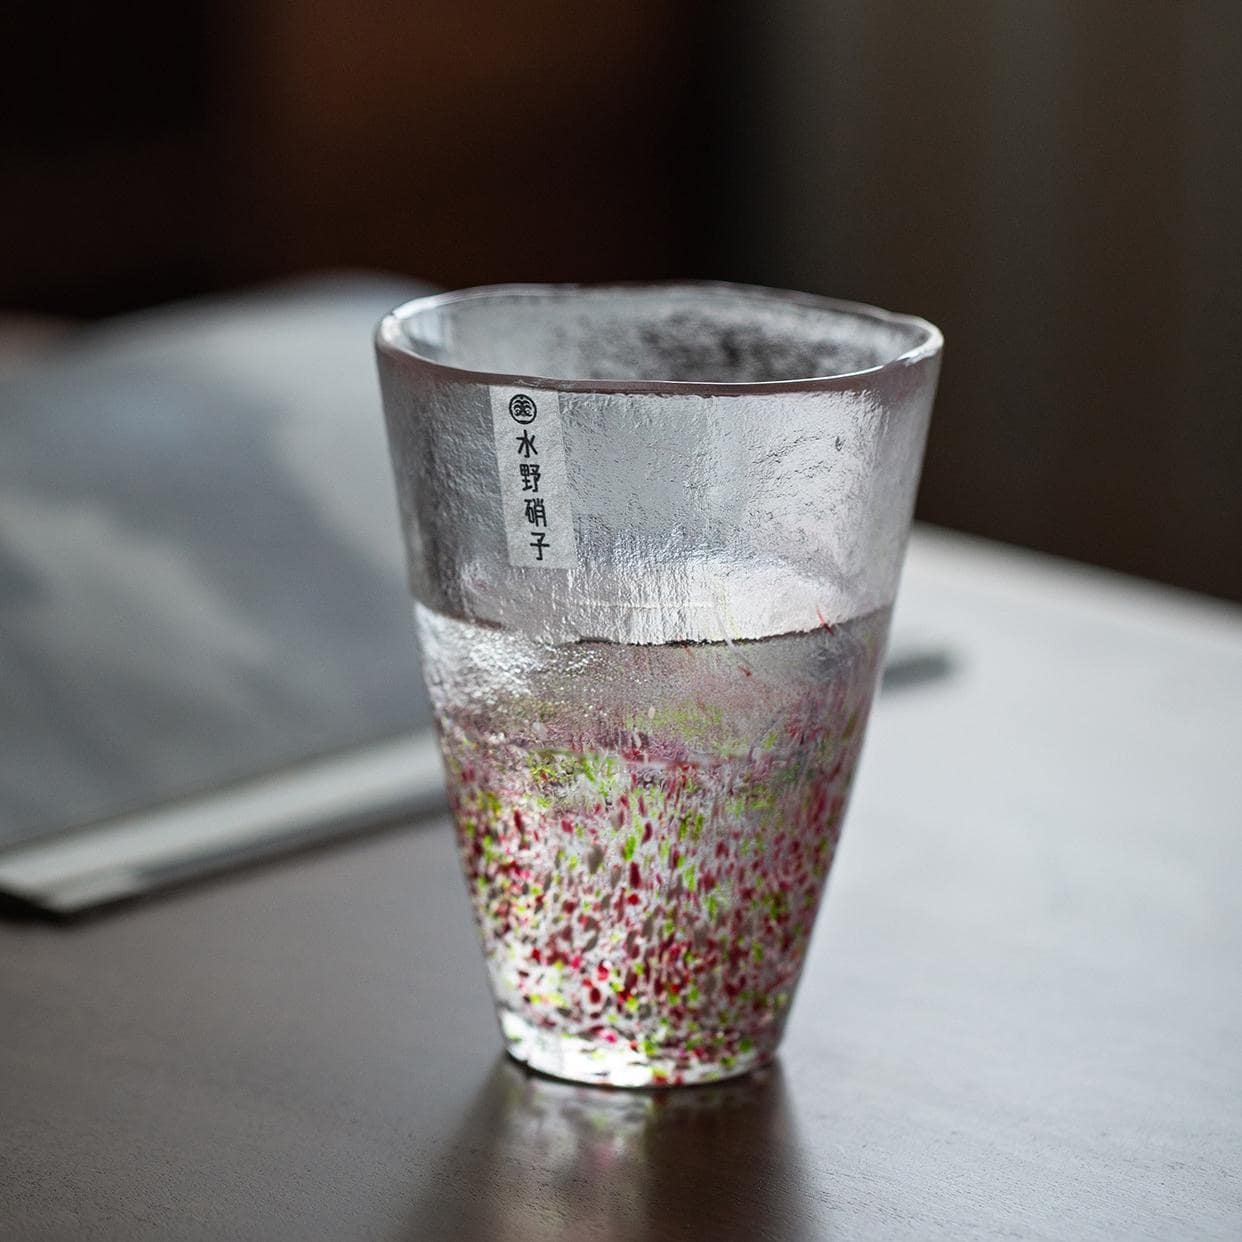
column 575, row 1059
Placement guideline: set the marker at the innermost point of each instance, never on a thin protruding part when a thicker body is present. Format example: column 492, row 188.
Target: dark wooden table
column 1021, row 1018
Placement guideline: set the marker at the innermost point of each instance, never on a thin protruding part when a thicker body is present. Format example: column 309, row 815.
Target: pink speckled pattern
column 646, row 832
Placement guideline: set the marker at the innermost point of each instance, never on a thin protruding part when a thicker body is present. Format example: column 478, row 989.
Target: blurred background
column 1057, row 184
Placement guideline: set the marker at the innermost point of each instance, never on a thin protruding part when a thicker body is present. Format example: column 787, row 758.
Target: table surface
column 1021, row 1015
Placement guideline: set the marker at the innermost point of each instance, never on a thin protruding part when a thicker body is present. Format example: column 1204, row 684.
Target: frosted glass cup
column 654, row 535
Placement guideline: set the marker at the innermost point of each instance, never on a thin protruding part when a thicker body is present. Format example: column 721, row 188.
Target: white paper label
column 534, row 492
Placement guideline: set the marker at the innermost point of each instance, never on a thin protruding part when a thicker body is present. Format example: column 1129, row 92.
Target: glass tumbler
column 654, row 534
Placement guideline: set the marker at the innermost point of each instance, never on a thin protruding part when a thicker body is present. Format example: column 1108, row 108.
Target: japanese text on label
column 530, row 459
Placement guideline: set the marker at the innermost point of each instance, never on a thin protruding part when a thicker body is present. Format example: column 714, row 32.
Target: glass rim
column 392, row 339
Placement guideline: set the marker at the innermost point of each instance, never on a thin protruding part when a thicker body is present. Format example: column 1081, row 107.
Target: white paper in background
column 151, row 647
column 534, row 492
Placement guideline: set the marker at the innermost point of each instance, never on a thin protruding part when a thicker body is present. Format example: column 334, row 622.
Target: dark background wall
column 1057, row 184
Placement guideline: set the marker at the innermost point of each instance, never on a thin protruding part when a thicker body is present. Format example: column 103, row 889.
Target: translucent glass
column 654, row 536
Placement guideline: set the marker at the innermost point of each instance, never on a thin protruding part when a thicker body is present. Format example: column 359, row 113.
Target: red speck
column 647, row 831
column 536, row 955
column 597, row 997
column 632, row 899
column 575, row 962
column 636, row 877
column 747, row 671
column 517, row 819
column 602, row 970
column 569, row 906
column 567, row 825
column 832, row 629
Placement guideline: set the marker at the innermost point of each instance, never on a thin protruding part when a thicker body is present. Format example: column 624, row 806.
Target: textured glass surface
column 649, row 751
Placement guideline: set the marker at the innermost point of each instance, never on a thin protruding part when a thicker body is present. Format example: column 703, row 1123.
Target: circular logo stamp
column 522, row 409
